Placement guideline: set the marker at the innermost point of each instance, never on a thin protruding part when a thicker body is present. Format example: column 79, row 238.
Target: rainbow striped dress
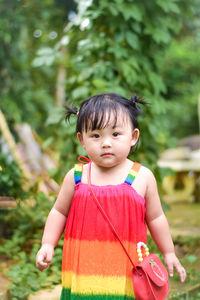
column 94, row 264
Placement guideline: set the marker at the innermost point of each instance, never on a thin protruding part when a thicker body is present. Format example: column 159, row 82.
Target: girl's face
column 111, row 145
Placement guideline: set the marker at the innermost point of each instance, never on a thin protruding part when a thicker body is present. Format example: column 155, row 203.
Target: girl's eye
column 115, row 134
column 96, row 135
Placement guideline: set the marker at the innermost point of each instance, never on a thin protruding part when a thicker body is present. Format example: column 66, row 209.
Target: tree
column 116, row 46
column 179, row 68
column 25, row 93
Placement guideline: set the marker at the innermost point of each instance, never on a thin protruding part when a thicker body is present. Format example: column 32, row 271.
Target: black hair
column 95, row 112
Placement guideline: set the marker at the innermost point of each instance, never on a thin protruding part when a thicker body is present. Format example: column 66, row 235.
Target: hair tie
column 134, row 100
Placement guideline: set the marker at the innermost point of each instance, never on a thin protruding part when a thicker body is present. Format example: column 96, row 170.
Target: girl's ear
column 80, row 138
column 135, row 136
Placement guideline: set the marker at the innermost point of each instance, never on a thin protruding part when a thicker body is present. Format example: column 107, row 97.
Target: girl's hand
column 44, row 257
column 172, row 262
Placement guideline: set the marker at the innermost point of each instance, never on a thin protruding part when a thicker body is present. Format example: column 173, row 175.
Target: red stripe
column 85, row 221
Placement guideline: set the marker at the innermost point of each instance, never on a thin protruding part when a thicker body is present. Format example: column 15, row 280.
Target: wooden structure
column 184, row 185
column 31, row 158
column 7, row 202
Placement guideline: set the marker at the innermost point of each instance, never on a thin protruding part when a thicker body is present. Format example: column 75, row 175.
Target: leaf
column 45, row 51
column 156, row 82
column 168, row 6
column 136, row 27
column 119, row 37
column 69, row 146
column 48, row 142
column 191, row 258
column 131, row 11
column 80, row 92
column 99, row 83
column 65, row 40
column 161, row 35
column 44, row 60
column 128, row 72
column 70, row 130
column 118, row 51
column 160, row 138
column 132, row 40
column 153, row 129
column 113, row 9
column 56, row 115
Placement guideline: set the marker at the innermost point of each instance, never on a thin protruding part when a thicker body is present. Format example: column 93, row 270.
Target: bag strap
column 106, row 217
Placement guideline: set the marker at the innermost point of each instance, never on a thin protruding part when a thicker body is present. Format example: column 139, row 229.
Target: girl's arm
column 159, row 228
column 55, row 223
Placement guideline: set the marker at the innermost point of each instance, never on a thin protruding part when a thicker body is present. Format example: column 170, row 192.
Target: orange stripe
column 97, row 257
column 136, row 166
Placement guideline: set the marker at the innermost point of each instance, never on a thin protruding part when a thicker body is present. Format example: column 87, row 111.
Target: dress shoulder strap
column 133, row 173
column 78, row 170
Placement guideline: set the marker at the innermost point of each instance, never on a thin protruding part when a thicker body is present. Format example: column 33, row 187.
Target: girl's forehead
column 118, row 120
column 111, row 119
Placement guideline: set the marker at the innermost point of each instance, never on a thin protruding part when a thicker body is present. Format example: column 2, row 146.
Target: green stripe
column 67, row 295
column 77, row 173
column 131, row 176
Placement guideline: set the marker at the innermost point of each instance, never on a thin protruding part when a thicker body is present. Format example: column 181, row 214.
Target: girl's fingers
column 181, row 271
column 40, row 263
column 170, row 269
column 171, row 262
column 49, row 256
column 44, row 257
column 40, row 258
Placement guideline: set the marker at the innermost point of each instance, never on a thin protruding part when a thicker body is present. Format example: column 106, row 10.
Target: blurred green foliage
column 24, row 226
column 26, row 95
column 11, row 179
column 116, row 47
column 123, row 47
column 181, row 74
column 182, row 78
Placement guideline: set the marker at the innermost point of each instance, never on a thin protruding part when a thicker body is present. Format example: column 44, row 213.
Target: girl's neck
column 112, row 175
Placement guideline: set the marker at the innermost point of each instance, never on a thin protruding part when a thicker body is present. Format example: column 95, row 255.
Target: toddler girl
column 94, row 264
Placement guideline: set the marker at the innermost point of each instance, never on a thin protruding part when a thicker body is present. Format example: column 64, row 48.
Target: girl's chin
column 107, row 163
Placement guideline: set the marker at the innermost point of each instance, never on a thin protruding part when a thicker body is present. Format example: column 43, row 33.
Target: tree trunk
column 11, row 144
column 61, row 79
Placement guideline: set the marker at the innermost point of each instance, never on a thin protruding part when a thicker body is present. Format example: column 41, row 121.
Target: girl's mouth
column 107, row 154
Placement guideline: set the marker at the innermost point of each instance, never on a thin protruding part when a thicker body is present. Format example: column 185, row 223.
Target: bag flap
column 154, row 269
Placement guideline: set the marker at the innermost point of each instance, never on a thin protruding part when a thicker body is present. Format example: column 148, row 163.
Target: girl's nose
column 106, row 143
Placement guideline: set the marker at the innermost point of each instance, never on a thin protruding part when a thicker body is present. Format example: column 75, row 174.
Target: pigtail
column 70, row 111
column 134, row 100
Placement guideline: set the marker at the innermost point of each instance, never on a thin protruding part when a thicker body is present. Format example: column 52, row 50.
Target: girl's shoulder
column 76, row 173
column 69, row 177
column 147, row 175
column 146, row 171
column 144, row 180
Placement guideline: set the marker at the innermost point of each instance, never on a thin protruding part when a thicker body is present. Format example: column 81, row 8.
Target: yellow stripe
column 78, row 168
column 132, row 172
column 109, row 285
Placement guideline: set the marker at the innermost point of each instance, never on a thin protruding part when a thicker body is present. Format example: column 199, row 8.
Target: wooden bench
column 7, row 202
column 184, row 185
